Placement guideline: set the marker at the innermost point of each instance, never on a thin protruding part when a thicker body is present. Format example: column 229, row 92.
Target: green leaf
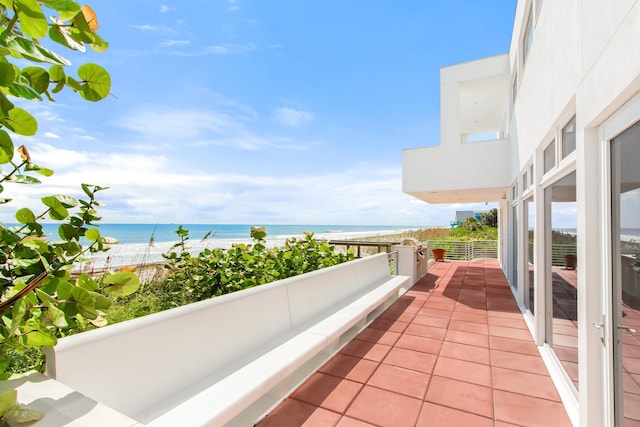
column 21, row 90
column 56, row 73
column 58, row 211
column 18, row 311
column 6, row 147
column 38, row 169
column 21, row 414
column 68, row 232
column 85, row 304
column 96, row 82
column 68, row 6
column 86, row 282
column 7, row 74
column 92, row 234
column 57, row 316
column 25, row 216
column 67, row 201
column 121, row 284
column 38, row 78
column 21, row 122
column 4, row 363
column 97, row 43
column 81, row 295
column 8, row 400
column 24, row 179
column 30, row 50
column 45, row 297
column 62, row 33
column 32, row 21
column 73, row 84
column 64, row 290
column 101, row 302
column 41, row 339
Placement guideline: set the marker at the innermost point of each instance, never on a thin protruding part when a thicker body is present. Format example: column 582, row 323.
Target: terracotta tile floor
column 453, row 351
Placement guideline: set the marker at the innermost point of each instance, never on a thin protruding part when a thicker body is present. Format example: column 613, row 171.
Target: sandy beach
column 120, row 255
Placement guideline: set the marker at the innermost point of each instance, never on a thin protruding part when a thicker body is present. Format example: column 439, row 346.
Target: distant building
column 551, row 132
column 461, row 216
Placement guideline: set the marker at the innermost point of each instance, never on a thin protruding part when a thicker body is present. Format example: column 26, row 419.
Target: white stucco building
column 551, row 131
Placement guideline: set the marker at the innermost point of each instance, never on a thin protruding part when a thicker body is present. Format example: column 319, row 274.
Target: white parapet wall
column 230, row 359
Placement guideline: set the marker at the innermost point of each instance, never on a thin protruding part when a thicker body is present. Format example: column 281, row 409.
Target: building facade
column 551, row 132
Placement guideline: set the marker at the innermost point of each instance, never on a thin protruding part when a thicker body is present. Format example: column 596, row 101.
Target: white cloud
column 200, row 127
column 164, row 8
column 147, row 188
column 51, row 135
column 172, row 43
column 146, row 27
column 291, row 117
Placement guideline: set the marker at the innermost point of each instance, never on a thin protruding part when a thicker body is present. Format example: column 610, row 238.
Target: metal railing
column 363, row 247
column 393, row 263
column 558, row 251
column 465, row 250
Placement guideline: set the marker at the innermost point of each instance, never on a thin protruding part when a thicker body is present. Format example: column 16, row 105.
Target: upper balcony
column 472, row 162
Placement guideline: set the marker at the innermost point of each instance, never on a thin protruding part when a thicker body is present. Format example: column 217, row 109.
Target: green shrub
column 215, row 272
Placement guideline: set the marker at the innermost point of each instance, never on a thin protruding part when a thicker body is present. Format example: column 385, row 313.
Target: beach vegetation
column 215, row 272
column 40, row 300
column 490, row 218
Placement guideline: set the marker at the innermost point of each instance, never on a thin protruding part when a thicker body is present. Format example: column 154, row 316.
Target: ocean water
column 145, row 243
column 156, row 233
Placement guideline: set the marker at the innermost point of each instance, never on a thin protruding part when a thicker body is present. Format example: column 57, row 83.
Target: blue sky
column 253, row 111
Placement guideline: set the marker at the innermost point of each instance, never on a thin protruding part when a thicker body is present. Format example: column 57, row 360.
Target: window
column 538, row 5
column 528, row 38
column 550, row 157
column 525, row 181
column 514, row 192
column 531, row 175
column 562, row 321
column 569, row 138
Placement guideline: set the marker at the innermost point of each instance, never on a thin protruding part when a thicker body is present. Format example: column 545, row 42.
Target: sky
column 260, row 112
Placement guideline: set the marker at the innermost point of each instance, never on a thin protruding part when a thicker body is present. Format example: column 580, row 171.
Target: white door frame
column 624, row 118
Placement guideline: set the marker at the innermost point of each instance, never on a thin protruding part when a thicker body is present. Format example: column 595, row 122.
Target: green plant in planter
column 40, row 300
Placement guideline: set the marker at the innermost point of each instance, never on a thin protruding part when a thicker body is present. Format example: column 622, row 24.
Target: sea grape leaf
column 56, row 316
column 67, row 201
column 24, row 179
column 86, row 282
column 38, row 78
column 18, row 312
column 92, row 234
column 121, row 284
column 8, row 400
column 40, row 339
column 63, row 7
column 25, row 216
column 32, row 21
column 96, row 83
column 21, row 122
column 38, row 169
column 61, row 33
column 68, row 232
column 22, row 414
column 101, row 302
column 30, row 50
column 7, row 74
column 6, row 147
column 22, row 90
column 58, row 211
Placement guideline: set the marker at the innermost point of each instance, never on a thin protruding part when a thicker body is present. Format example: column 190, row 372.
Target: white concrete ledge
column 62, row 406
column 228, row 360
